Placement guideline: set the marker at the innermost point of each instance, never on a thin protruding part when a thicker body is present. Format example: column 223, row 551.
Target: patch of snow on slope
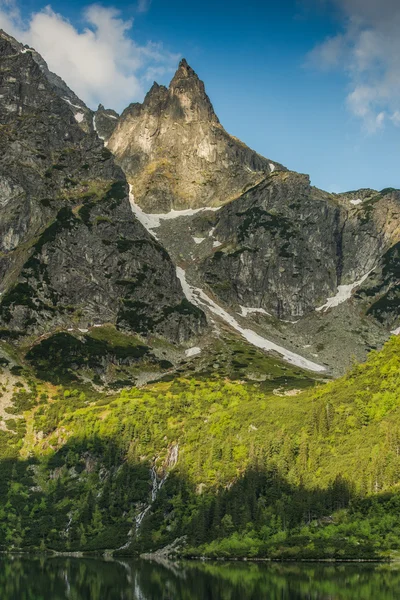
column 358, row 201
column 187, row 212
column 396, row 331
column 95, row 128
column 200, row 298
column 245, row 311
column 217, row 244
column 272, row 167
column 79, row 116
column 153, row 220
column 198, row 240
column 192, row 351
column 70, row 103
column 343, row 293
column 211, row 232
column 149, row 221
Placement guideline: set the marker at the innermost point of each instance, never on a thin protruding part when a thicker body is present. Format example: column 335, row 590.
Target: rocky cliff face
column 175, row 152
column 286, row 247
column 316, row 271
column 104, row 122
column 260, row 248
column 72, row 253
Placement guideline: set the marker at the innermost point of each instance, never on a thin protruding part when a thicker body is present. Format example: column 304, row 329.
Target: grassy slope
column 258, row 473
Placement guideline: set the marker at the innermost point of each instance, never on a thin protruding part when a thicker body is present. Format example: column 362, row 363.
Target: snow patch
column 70, row 103
column 79, row 116
column 344, row 293
column 245, row 311
column 200, row 298
column 272, row 167
column 217, row 244
column 192, row 351
column 396, row 331
column 357, row 201
column 211, row 232
column 95, row 128
column 198, row 240
column 153, row 221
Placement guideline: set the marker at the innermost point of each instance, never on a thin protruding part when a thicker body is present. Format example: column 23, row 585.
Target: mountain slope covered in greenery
column 233, row 467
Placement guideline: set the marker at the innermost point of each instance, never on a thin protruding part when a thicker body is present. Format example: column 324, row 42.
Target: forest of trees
column 313, row 475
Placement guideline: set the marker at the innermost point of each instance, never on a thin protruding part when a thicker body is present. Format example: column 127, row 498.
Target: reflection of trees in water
column 272, row 581
column 61, row 578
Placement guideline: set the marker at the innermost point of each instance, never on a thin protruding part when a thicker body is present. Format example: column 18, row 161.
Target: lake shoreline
column 109, row 555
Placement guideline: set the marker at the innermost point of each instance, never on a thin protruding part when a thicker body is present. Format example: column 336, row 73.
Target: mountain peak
column 191, row 94
column 184, row 72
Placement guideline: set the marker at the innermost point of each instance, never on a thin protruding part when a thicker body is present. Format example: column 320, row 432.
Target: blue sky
column 313, row 84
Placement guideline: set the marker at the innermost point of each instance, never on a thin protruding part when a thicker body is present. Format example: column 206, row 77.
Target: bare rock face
column 104, row 122
column 71, row 252
column 175, row 152
column 287, row 247
column 324, row 265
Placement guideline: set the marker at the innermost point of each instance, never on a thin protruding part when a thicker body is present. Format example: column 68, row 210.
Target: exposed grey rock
column 73, row 255
column 287, row 247
column 105, row 121
column 71, row 250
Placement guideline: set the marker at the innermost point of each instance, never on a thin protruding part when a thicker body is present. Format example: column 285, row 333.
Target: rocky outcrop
column 286, row 247
column 104, row 122
column 72, row 253
column 175, row 152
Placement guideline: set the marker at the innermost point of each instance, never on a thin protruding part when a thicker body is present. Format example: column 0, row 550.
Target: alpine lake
column 61, row 578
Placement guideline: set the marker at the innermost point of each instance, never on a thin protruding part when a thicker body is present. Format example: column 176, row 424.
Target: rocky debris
column 171, row 550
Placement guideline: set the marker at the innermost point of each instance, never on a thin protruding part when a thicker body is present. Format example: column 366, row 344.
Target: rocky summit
column 175, row 152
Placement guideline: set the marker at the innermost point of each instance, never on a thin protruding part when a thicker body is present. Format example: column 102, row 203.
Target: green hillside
column 239, row 468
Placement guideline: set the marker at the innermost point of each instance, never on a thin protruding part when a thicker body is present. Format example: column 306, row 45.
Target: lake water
column 39, row 578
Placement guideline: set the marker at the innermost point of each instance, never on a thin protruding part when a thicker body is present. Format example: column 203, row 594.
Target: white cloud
column 368, row 50
column 101, row 63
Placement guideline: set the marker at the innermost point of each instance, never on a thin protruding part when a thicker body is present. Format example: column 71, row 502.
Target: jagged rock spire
column 190, row 91
column 176, row 153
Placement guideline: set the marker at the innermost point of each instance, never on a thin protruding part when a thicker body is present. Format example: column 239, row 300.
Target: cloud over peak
column 368, row 50
column 101, row 63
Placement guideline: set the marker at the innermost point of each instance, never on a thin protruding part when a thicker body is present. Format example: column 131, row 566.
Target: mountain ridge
column 272, row 266
column 73, row 255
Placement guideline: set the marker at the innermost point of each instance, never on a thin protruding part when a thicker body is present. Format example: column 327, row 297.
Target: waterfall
column 156, row 486
column 65, row 533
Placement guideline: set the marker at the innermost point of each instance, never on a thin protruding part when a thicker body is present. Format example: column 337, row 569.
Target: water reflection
column 59, row 578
